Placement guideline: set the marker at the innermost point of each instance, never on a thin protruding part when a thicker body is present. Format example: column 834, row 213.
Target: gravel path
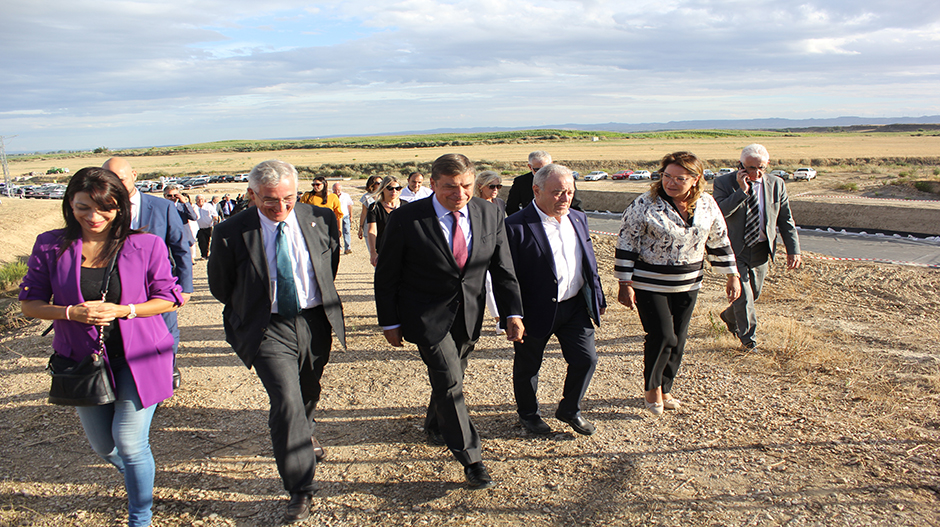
column 835, row 422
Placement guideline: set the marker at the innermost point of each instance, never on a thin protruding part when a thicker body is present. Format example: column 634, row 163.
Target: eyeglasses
column 274, row 202
column 678, row 179
column 393, row 189
column 317, row 183
column 494, row 187
column 756, row 169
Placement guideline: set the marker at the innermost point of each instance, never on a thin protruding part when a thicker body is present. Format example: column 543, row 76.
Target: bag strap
column 105, row 282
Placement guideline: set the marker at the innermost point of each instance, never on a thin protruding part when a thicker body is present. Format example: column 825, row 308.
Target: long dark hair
column 106, row 190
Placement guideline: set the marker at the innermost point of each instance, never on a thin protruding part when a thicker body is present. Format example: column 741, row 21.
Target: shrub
column 11, row 274
column 848, row 186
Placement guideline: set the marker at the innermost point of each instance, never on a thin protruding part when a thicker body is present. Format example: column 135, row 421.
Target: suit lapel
column 254, row 243
column 313, row 231
column 534, row 223
column 432, row 229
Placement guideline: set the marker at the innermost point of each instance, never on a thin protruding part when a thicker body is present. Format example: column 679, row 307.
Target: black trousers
column 290, row 363
column 203, row 236
column 665, row 318
column 575, row 333
column 447, row 411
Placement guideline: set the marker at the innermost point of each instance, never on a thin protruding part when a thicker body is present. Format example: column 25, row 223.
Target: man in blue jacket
column 159, row 216
column 561, row 296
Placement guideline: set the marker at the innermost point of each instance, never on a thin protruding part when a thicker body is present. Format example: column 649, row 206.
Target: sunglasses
column 494, row 187
column 393, row 189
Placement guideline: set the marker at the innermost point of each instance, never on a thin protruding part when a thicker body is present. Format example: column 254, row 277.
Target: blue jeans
column 120, row 433
column 347, row 237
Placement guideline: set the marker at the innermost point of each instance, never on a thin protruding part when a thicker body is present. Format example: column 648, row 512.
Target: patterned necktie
column 752, row 221
column 287, row 303
column 460, row 243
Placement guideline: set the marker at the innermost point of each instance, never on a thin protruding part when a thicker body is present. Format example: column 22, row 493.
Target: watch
column 133, row 313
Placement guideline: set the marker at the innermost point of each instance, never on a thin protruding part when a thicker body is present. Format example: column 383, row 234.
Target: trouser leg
column 120, row 434
column 290, row 373
column 526, row 362
column 575, row 333
column 665, row 318
column 447, row 410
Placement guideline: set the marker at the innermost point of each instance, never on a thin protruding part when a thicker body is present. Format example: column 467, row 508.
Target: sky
column 81, row 74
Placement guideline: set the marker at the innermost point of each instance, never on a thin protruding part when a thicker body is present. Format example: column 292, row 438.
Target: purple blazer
column 144, row 269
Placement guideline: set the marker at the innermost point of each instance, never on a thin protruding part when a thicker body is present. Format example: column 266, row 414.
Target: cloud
column 170, row 72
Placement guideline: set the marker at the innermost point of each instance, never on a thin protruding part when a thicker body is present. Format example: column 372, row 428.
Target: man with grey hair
column 561, row 296
column 755, row 205
column 206, row 217
column 273, row 266
column 520, row 193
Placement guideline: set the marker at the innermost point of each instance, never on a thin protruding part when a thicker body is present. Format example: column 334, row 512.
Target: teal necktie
column 287, row 304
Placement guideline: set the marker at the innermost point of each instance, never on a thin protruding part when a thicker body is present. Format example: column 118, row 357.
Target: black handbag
column 86, row 382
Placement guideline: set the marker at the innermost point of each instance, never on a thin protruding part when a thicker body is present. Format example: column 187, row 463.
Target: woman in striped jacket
column 665, row 236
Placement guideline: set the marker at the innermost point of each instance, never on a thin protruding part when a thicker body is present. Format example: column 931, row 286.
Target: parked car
column 723, row 171
column 244, row 177
column 656, row 176
column 57, row 192
column 622, row 174
column 804, row 173
column 709, row 175
column 596, row 175
column 575, row 174
column 782, row 174
column 641, row 174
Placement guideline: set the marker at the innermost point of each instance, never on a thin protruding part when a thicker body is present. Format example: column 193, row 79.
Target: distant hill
column 794, row 125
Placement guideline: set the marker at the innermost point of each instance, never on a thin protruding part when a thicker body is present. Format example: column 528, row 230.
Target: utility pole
column 6, row 169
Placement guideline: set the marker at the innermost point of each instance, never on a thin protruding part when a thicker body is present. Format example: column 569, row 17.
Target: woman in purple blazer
column 63, row 284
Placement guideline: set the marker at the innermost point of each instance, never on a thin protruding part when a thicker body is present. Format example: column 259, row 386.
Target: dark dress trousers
column 419, row 286
column 570, row 320
column 288, row 354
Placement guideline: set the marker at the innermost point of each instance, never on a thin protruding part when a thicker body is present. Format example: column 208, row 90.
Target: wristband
column 67, row 312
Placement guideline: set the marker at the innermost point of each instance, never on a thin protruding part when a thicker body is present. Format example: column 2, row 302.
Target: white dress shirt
column 304, row 278
column 409, row 196
column 135, row 210
column 566, row 253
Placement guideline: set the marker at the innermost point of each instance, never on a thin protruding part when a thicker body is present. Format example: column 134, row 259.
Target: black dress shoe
column 436, row 438
column 536, row 425
column 580, row 424
column 318, row 451
column 729, row 321
column 299, row 508
column 477, row 476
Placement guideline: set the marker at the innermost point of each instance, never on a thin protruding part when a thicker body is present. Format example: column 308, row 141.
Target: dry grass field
column 606, row 154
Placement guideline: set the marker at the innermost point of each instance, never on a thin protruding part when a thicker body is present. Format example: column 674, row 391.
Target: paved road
column 886, row 248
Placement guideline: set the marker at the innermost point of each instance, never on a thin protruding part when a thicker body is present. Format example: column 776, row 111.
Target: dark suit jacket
column 531, row 252
column 520, row 195
column 238, row 274
column 418, row 284
column 159, row 216
column 731, row 200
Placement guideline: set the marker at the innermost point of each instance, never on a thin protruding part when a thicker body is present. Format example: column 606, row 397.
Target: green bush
column 11, row 274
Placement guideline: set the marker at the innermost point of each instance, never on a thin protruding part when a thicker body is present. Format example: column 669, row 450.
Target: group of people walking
column 438, row 252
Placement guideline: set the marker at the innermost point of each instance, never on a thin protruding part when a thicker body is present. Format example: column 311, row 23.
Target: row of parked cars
column 804, row 174
column 44, row 191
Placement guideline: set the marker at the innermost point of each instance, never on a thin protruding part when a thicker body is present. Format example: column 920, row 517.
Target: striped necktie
column 287, row 304
column 752, row 221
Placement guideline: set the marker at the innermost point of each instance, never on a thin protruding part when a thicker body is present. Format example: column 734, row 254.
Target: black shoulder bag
column 85, row 382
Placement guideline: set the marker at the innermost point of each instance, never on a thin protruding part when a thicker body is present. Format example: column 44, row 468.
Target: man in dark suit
column 561, row 295
column 755, row 206
column 429, row 290
column 273, row 265
column 520, row 193
column 159, row 216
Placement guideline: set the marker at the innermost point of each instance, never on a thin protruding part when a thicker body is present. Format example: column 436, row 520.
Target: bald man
column 159, row 216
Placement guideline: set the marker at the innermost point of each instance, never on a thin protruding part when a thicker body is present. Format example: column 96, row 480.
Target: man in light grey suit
column 739, row 193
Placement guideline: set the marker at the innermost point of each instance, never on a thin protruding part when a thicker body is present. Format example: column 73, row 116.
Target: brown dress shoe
column 298, row 509
column 318, row 451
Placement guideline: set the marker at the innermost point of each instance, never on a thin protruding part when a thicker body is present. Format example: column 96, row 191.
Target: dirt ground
column 835, row 421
